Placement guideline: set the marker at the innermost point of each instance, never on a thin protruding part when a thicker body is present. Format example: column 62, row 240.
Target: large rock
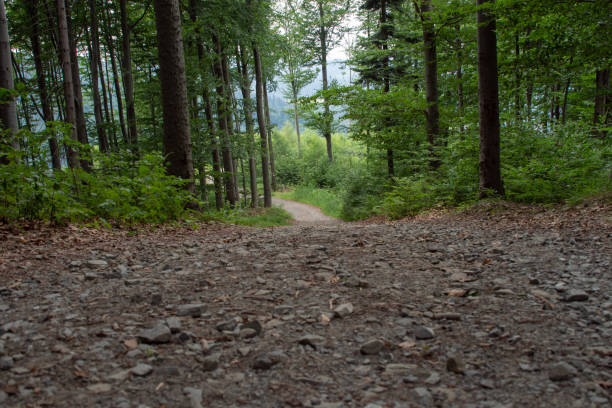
column 372, row 347
column 156, row 335
column 561, row 371
column 266, row 361
column 191, row 309
column 343, row 310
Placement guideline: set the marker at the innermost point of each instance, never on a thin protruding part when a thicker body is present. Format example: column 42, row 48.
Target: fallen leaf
column 456, row 292
column 407, row 344
column 324, row 319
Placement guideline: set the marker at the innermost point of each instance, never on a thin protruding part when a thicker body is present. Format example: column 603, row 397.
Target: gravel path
column 489, row 311
column 304, row 213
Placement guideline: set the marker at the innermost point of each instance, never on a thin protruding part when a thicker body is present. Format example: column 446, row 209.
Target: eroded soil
column 490, row 309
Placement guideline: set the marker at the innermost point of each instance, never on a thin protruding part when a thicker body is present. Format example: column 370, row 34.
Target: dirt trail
column 494, row 311
column 303, row 213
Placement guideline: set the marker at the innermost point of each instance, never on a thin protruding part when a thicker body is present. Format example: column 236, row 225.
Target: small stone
column 575, row 295
column 120, row 375
column 486, row 383
column 561, row 371
column 97, row 263
column 343, row 310
column 3, row 397
column 423, row 396
column 448, row 316
column 142, row 370
column 423, row 333
column 210, row 363
column 372, row 347
column 311, row 340
column 228, row 325
column 194, row 395
column 266, row 361
column 247, row 333
column 156, row 299
column 192, row 309
column 399, row 370
column 235, row 377
column 174, row 324
column 253, row 324
column 433, row 379
column 6, row 363
column 244, row 351
column 99, row 388
column 455, row 364
column 158, row 334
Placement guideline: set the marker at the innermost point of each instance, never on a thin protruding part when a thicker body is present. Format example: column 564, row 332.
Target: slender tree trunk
column 557, row 109
column 244, row 194
column 269, row 131
column 488, row 95
column 111, row 50
column 460, row 101
column 128, row 87
column 216, row 161
column 94, row 64
column 228, row 117
column 601, row 111
column 64, row 51
column 81, row 124
column 517, row 79
column 8, row 111
column 386, row 77
column 261, row 121
column 107, row 96
column 42, row 83
column 566, row 92
column 296, row 116
column 432, row 115
column 222, row 115
column 326, row 110
column 245, row 87
column 177, row 137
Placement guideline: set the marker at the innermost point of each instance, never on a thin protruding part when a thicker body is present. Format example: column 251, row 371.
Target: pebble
column 3, row 397
column 194, row 395
column 120, row 375
column 311, row 340
column 156, row 299
column 247, row 333
column 433, row 379
column 191, row 309
column 561, row 371
column 343, row 310
column 228, row 325
column 372, row 347
column 266, row 361
column 142, row 370
column 99, row 388
column 423, row 396
column 455, row 364
column 210, row 363
column 576, row 295
column 6, row 363
column 423, row 333
column 156, row 335
column 174, row 324
column 97, row 263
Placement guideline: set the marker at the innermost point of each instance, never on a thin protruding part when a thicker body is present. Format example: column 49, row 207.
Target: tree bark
column 228, row 117
column 386, row 77
column 128, row 87
column 8, row 111
column 432, row 115
column 64, row 51
column 269, row 132
column 326, row 109
column 460, row 102
column 216, row 162
column 245, row 87
column 296, row 116
column 81, row 124
column 488, row 95
column 601, row 111
column 222, row 114
column 41, row 81
column 94, row 63
column 261, row 121
column 177, row 137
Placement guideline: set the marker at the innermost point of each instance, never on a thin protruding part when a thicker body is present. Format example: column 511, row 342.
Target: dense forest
column 144, row 111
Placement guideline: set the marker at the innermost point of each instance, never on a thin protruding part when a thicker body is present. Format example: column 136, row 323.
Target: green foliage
column 259, row 217
column 327, row 200
column 117, row 189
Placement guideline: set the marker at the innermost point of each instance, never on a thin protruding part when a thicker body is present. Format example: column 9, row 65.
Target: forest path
column 304, row 213
column 487, row 310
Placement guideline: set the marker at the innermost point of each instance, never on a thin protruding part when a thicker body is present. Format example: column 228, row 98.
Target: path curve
column 304, row 213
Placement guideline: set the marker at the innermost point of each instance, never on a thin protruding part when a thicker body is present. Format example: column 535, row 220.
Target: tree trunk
column 107, row 96
column 386, row 78
column 326, row 110
column 269, row 131
column 228, row 117
column 111, row 50
column 8, row 111
column 64, row 51
column 261, row 121
column 94, row 63
column 176, row 138
column 460, row 102
column 601, row 111
column 488, row 95
column 517, row 79
column 432, row 115
column 81, row 124
column 216, row 162
column 245, row 87
column 128, row 87
column 296, row 116
column 222, row 114
column 42, row 83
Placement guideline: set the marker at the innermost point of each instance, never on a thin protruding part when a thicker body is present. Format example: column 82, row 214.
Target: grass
column 259, row 217
column 326, row 200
